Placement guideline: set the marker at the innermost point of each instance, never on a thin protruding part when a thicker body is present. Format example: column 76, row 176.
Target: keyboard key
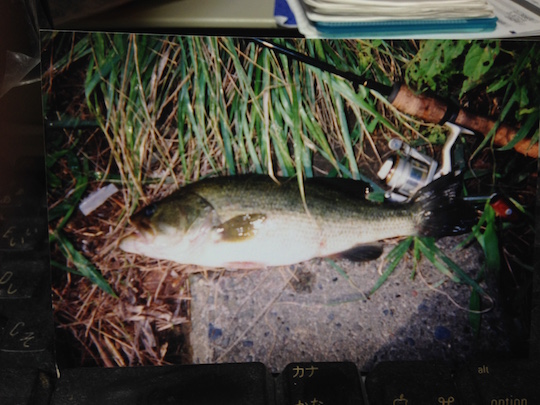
column 22, row 190
column 25, row 386
column 15, row 196
column 21, row 233
column 224, row 384
column 27, row 329
column 503, row 382
column 320, row 383
column 20, row 278
column 16, row 386
column 410, row 383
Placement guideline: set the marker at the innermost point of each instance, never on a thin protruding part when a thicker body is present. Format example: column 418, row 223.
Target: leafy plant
column 437, row 64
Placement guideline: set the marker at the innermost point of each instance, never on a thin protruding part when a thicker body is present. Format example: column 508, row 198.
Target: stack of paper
column 411, row 18
column 352, row 18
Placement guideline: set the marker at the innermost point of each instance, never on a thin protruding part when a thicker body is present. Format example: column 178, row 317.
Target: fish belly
column 292, row 239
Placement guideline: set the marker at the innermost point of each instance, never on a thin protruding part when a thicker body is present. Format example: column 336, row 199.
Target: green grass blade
column 83, row 265
column 444, row 264
column 530, row 123
column 393, row 258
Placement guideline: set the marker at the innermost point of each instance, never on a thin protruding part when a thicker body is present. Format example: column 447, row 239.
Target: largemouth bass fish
column 252, row 221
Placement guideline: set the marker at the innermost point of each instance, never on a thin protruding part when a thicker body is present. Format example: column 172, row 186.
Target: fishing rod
column 422, row 106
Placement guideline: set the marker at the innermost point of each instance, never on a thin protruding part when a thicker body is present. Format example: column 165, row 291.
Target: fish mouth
column 131, row 242
column 142, row 234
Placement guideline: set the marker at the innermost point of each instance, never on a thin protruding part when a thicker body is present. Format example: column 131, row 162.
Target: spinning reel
column 408, row 170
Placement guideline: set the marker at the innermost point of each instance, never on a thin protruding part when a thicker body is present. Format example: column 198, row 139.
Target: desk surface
column 230, row 14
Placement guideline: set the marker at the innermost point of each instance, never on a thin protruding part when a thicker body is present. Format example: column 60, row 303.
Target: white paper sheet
column 514, row 21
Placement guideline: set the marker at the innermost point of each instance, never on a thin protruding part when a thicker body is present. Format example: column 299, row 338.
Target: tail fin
column 441, row 210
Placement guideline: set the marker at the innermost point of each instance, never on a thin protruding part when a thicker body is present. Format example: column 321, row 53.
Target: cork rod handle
column 434, row 110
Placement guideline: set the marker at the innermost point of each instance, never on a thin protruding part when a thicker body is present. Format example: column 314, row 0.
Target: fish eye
column 150, row 210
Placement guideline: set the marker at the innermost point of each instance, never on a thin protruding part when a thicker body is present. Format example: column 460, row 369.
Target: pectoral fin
column 363, row 253
column 241, row 227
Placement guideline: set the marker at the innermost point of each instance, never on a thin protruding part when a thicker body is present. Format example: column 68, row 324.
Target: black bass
column 252, row 221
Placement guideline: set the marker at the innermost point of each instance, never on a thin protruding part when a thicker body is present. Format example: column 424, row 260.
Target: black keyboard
column 392, row 383
column 27, row 360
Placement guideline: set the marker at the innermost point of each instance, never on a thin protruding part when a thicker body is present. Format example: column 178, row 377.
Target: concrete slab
column 315, row 311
